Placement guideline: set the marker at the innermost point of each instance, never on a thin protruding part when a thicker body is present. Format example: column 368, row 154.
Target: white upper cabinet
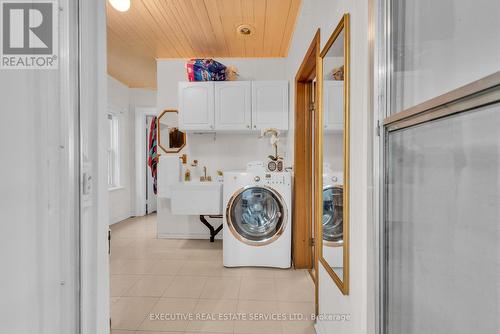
column 196, row 106
column 270, row 105
column 334, row 105
column 233, row 105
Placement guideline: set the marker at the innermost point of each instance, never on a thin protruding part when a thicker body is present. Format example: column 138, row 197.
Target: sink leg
column 213, row 231
column 217, row 230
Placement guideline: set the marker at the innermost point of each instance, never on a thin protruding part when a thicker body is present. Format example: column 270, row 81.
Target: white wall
column 221, row 151
column 326, row 14
column 118, row 94
column 120, row 198
column 122, row 100
column 140, row 97
column 170, row 72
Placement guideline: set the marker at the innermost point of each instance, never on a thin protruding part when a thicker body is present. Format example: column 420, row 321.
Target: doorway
column 146, row 200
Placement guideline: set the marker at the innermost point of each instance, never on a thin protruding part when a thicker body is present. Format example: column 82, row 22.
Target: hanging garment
column 153, row 152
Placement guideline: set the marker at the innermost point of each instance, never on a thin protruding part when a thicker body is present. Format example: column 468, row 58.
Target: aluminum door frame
column 474, row 95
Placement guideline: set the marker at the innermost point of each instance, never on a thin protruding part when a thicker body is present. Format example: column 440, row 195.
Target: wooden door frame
column 303, row 159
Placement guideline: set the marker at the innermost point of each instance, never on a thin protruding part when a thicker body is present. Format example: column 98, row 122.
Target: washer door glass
column 256, row 215
column 333, row 214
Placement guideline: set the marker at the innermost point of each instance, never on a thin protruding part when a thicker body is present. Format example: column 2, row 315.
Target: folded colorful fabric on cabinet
column 205, row 70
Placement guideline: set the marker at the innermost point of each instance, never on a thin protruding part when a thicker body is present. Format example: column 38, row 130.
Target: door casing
column 304, row 253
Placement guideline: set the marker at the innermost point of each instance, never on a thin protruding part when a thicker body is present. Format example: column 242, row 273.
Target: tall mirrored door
column 332, row 191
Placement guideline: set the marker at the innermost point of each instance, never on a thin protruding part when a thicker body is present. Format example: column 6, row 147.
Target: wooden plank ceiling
column 159, row 29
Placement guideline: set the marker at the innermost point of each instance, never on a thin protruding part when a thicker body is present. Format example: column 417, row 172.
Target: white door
column 270, row 105
column 196, row 106
column 334, row 105
column 233, row 109
column 150, row 194
column 40, row 230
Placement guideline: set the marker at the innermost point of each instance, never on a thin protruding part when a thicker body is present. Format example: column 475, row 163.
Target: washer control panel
column 276, row 179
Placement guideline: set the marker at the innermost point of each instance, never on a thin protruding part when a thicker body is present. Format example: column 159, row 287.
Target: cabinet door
column 196, row 106
column 334, row 105
column 233, row 105
column 270, row 105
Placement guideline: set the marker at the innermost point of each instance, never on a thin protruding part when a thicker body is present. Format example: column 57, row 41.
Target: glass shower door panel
column 442, row 226
column 438, row 46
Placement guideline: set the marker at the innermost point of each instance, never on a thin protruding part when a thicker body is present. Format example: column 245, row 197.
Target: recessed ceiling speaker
column 245, row 29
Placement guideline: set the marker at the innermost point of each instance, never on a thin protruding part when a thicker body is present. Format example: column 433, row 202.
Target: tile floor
column 186, row 277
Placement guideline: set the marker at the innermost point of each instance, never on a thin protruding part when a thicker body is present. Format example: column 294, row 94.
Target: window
column 113, row 152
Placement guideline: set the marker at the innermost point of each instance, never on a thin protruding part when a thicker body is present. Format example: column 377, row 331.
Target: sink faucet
column 205, row 178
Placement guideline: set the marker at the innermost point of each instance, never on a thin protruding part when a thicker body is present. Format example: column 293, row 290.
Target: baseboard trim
column 120, row 218
column 201, row 236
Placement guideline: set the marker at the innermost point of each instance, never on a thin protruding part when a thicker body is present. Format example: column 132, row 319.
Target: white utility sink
column 196, row 198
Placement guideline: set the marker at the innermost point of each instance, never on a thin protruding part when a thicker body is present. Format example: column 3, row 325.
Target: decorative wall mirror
column 333, row 213
column 170, row 139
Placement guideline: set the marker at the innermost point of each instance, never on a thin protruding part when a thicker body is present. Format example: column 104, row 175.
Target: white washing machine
column 257, row 219
column 333, row 216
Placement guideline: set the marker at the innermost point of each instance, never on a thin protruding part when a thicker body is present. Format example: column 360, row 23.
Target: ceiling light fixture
column 244, row 29
column 120, row 5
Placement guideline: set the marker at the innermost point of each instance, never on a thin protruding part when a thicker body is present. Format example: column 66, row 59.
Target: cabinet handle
column 255, row 126
column 248, row 126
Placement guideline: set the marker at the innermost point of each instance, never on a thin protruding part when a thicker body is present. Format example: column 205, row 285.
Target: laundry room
column 209, row 165
column 230, row 162
column 250, row 166
column 229, row 147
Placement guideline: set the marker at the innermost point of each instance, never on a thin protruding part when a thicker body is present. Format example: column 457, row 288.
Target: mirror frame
column 169, row 150
column 343, row 284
